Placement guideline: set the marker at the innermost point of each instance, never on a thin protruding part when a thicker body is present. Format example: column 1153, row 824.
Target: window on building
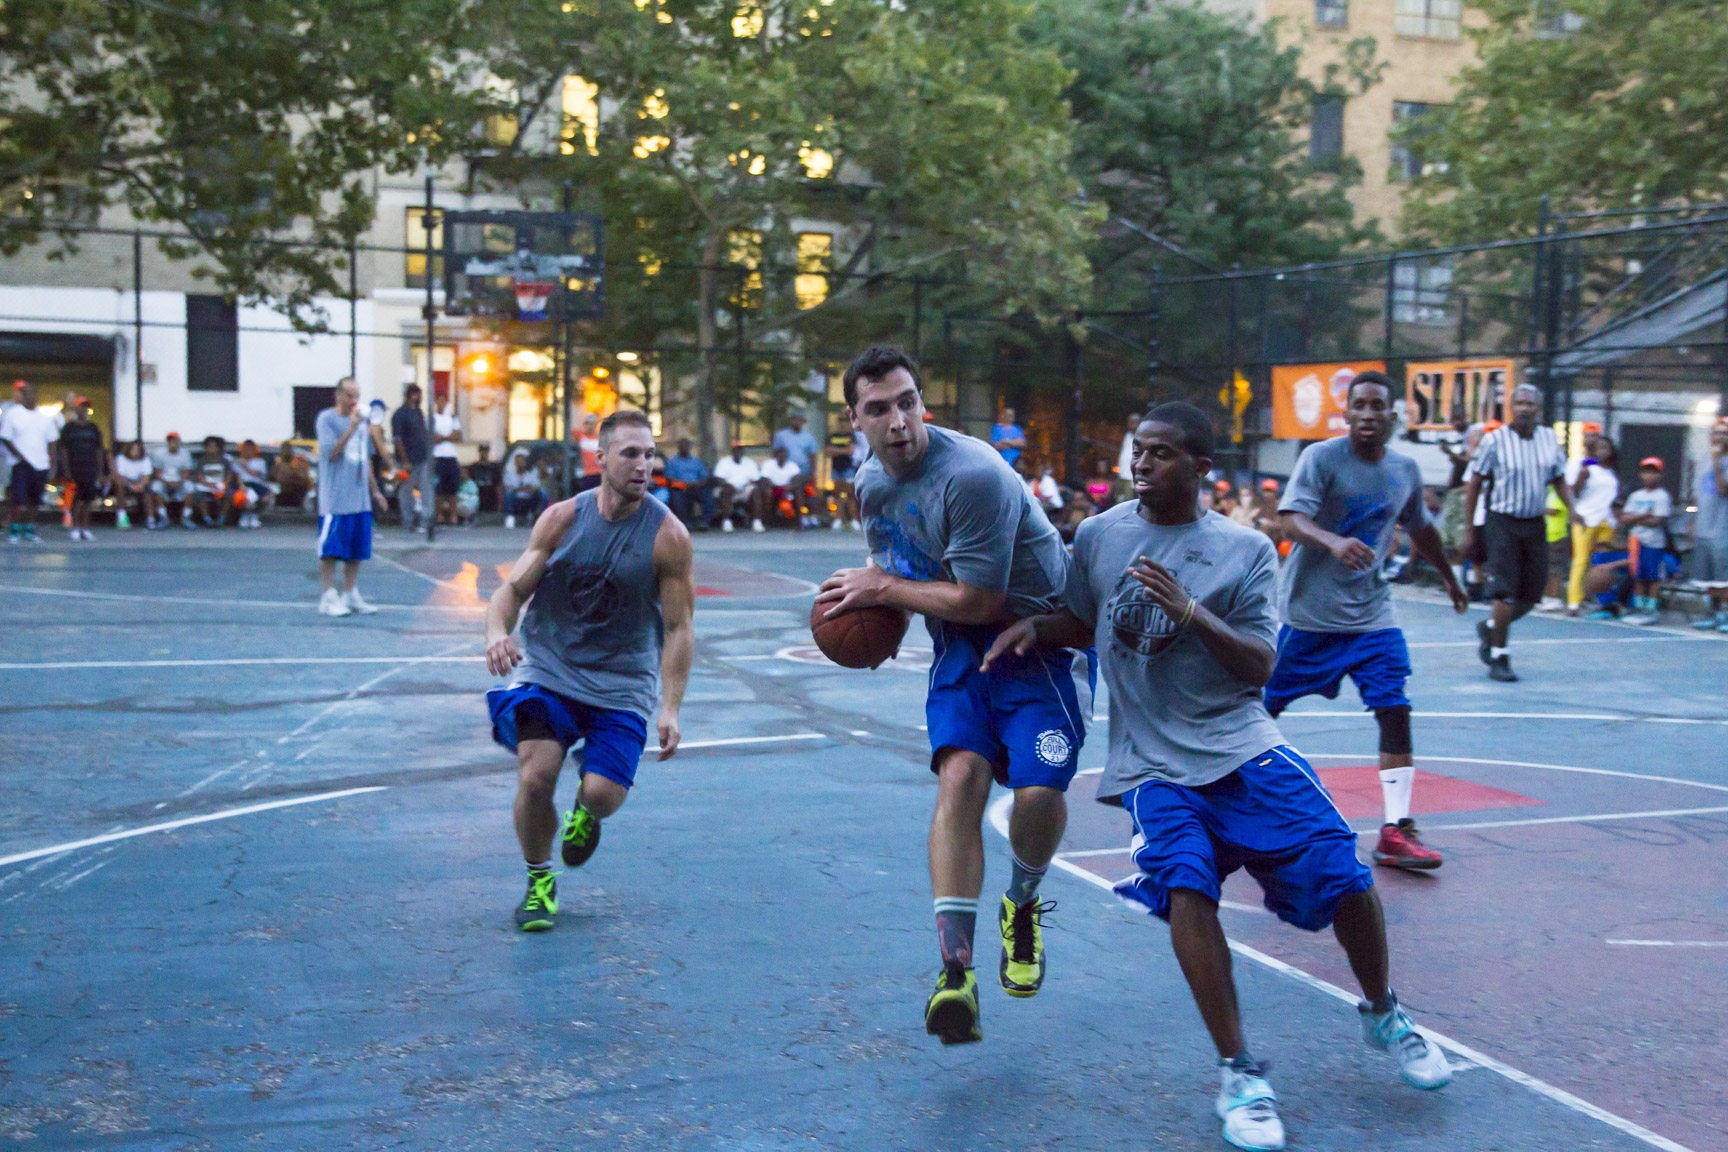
column 1436, row 19
column 1326, row 131
column 212, row 344
column 1332, row 13
column 811, row 283
column 1412, row 120
column 744, row 252
column 414, row 264
column 1550, row 19
column 1422, row 291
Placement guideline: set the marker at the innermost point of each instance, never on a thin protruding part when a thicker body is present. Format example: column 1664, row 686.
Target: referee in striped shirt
column 1523, row 461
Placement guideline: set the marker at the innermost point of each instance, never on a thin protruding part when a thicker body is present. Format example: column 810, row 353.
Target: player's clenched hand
column 1460, row 600
column 1167, row 592
column 852, row 588
column 502, row 655
column 667, row 727
column 1353, row 554
column 1019, row 637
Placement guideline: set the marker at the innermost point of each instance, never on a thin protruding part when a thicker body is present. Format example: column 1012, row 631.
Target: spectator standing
column 27, row 432
column 83, row 462
column 252, row 473
column 1049, row 492
column 737, row 477
column 413, row 456
column 133, row 474
column 447, row 470
column 1523, row 460
column 347, row 494
column 8, row 402
column 782, row 478
column 523, row 495
column 486, row 473
column 1646, row 514
column 174, row 480
column 1008, row 438
column 589, row 445
column 1710, row 529
column 689, row 486
column 1595, row 486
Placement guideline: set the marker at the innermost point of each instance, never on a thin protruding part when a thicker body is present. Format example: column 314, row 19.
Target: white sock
column 1395, row 786
column 1496, row 653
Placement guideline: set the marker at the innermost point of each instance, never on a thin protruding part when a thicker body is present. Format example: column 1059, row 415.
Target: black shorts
column 1517, row 558
column 27, row 485
column 85, row 485
column 449, row 472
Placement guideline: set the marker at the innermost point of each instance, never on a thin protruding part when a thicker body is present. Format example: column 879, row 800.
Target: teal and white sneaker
column 1248, row 1107
column 1420, row 1062
column 1718, row 622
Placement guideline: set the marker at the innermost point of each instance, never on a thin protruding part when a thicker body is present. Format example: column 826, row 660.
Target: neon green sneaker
column 952, row 1013
column 540, row 905
column 581, row 835
column 1022, row 971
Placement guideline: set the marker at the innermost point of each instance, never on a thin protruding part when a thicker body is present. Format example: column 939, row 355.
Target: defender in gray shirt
column 954, row 536
column 607, row 584
column 1178, row 601
column 1342, row 507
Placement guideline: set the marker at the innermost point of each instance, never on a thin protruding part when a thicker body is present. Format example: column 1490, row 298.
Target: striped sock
column 1024, row 884
column 543, row 866
column 956, row 920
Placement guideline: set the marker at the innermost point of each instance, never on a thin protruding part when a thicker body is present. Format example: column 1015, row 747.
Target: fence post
column 1391, row 308
column 1071, row 445
column 1538, row 284
column 138, row 334
column 431, row 364
column 353, row 312
column 1152, row 356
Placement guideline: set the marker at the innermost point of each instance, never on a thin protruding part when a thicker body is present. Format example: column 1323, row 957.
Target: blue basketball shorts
column 1271, row 816
column 345, row 537
column 1315, row 663
column 1656, row 563
column 615, row 738
column 1023, row 716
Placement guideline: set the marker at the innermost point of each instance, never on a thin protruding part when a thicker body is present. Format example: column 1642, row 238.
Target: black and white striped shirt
column 1521, row 469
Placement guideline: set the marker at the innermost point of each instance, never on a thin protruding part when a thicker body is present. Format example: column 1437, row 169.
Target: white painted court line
column 237, row 661
column 1573, row 819
column 999, row 820
column 170, row 825
column 212, row 602
column 1094, row 852
column 1336, row 714
column 732, row 741
column 1670, row 943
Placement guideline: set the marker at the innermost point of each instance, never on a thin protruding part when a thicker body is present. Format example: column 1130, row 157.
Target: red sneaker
column 1401, row 847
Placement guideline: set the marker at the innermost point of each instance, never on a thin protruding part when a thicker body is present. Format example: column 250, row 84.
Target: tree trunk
column 708, row 351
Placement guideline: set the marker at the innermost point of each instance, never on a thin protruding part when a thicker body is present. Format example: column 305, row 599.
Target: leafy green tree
column 245, row 125
column 1595, row 103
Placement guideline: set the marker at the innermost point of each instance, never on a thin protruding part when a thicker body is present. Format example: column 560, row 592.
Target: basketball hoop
column 531, row 299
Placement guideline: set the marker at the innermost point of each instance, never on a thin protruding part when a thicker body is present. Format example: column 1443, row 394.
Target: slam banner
column 1477, row 388
column 1308, row 399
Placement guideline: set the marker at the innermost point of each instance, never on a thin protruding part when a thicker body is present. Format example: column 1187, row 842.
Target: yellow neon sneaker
column 540, row 905
column 1022, row 971
column 952, row 1014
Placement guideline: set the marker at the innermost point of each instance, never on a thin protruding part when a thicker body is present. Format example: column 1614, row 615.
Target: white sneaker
column 357, row 603
column 838, row 525
column 1641, row 619
column 756, row 526
column 1420, row 1062
column 726, row 524
column 509, row 521
column 1249, row 1109
column 857, row 527
column 89, row 537
column 332, row 604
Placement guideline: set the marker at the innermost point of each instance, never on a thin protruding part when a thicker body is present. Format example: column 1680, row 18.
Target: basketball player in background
column 605, row 644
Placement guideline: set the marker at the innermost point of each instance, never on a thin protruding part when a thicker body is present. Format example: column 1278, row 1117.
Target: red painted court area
column 1578, row 916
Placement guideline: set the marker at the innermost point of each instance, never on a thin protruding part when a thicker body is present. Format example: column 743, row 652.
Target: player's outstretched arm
column 672, row 563
column 502, row 654
column 1426, row 543
column 1059, row 629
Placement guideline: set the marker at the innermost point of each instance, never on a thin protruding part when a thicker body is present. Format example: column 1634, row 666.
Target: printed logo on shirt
column 1137, row 624
column 594, row 598
column 903, row 558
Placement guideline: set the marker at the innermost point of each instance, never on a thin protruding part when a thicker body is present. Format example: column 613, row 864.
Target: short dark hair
column 874, row 363
column 1196, row 429
column 624, row 417
column 1372, row 376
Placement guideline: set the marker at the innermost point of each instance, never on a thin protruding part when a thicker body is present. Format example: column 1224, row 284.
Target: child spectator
column 253, row 473
column 467, row 499
column 1646, row 515
column 133, row 473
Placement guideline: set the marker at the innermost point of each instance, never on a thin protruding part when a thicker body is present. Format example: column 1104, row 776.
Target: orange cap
column 1492, row 425
column 1268, row 485
column 1651, row 462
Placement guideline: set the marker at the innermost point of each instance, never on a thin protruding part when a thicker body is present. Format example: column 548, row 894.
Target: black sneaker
column 1484, row 643
column 536, row 912
column 952, row 1013
column 581, row 835
column 1501, row 669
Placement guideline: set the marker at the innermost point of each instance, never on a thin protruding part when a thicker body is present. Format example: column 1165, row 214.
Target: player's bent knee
column 602, row 795
column 1394, row 730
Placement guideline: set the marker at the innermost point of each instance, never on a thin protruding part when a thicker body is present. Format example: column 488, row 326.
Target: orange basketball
column 859, row 637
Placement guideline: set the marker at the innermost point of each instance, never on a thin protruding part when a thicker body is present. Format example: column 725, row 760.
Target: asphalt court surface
column 283, row 920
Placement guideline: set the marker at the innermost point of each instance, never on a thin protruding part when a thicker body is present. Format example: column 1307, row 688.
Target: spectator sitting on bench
column 523, row 493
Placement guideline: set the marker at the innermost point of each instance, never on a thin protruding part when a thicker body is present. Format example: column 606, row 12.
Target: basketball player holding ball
column 954, row 537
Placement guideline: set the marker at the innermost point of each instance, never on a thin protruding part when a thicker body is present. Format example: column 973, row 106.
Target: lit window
column 1332, row 13
column 1422, row 291
column 744, row 249
column 818, row 162
column 414, row 267
column 1437, row 19
column 501, row 131
column 1326, row 131
column 811, row 283
column 581, row 115
column 1407, row 159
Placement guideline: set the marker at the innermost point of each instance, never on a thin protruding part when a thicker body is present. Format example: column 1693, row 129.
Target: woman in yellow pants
column 1593, row 493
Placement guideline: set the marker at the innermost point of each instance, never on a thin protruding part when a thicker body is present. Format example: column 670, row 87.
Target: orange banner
column 1477, row 388
column 1308, row 399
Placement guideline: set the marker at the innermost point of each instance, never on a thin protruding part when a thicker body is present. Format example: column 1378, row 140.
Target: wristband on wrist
column 1187, row 615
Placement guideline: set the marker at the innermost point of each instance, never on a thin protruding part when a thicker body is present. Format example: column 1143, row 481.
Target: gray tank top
column 593, row 630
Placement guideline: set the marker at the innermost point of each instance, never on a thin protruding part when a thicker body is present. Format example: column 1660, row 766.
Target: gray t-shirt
column 172, row 467
column 343, row 487
column 1346, row 495
column 1712, row 520
column 1175, row 713
column 964, row 517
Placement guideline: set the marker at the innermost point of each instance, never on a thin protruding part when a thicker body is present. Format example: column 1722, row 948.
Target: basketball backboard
column 496, row 261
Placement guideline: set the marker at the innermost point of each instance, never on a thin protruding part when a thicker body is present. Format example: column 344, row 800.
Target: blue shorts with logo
column 615, row 737
column 1023, row 716
column 1271, row 816
column 345, row 537
column 1315, row 663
